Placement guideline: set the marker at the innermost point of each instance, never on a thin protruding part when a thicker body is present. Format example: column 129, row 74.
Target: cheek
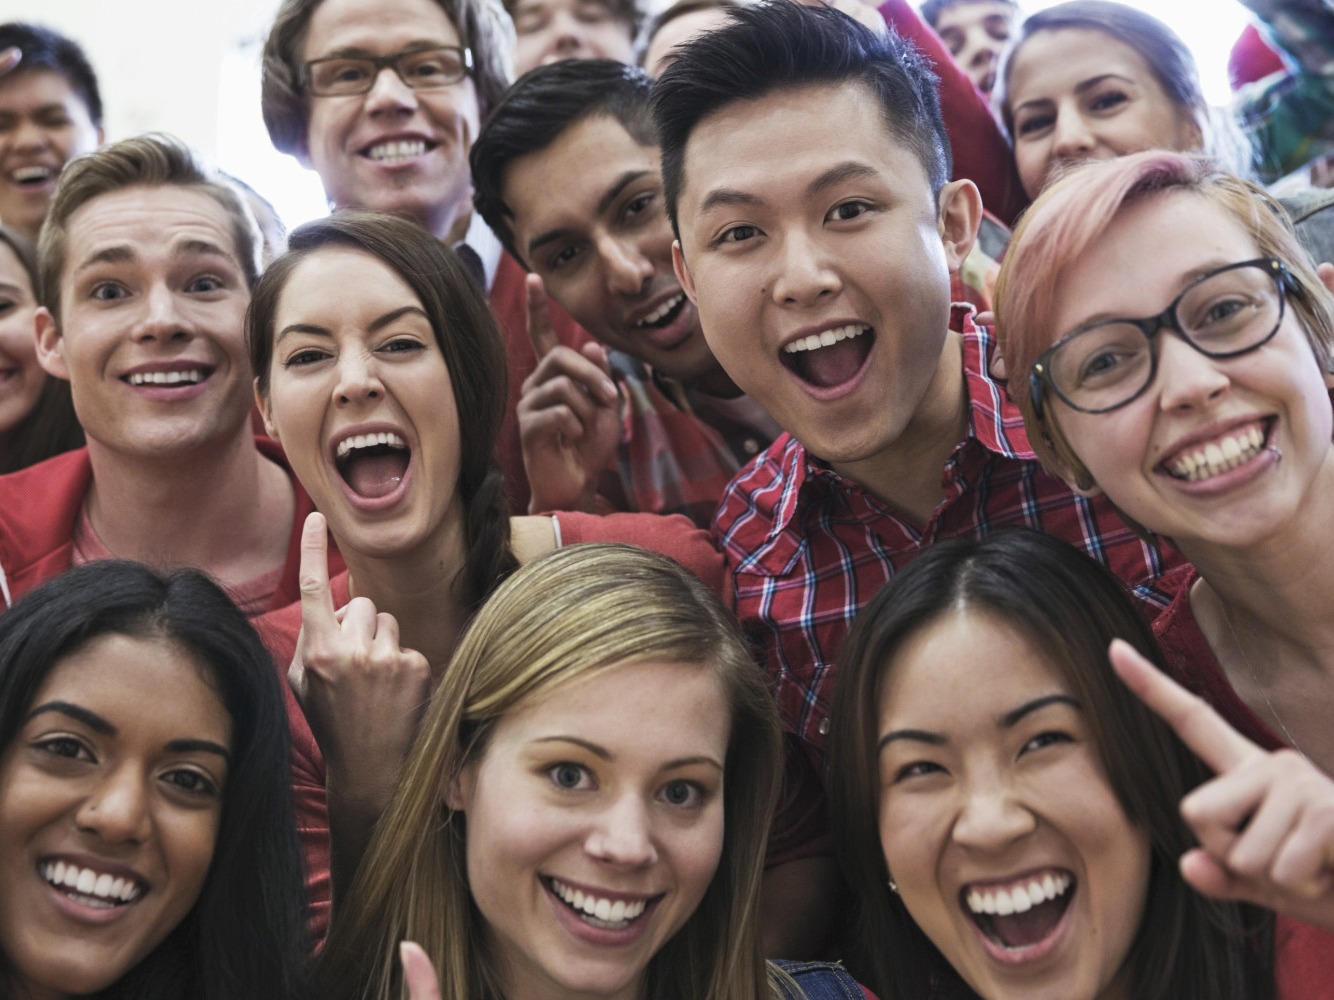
column 1031, row 158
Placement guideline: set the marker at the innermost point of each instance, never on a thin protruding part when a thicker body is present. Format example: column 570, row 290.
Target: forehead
column 773, row 146
column 27, row 91
column 936, row 675
column 1049, row 64
column 12, row 270
column 341, row 283
column 969, row 13
column 568, row 180
column 379, row 26
column 145, row 220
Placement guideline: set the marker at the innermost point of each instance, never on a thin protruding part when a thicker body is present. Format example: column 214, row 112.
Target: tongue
column 830, row 366
column 375, row 476
column 1020, row 930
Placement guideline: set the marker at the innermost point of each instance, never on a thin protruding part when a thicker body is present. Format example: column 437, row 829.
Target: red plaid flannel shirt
column 807, row 548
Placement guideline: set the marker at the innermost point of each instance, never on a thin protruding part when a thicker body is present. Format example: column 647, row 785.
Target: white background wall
column 192, row 67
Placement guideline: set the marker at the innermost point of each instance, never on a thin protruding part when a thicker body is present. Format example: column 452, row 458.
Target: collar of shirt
column 995, row 427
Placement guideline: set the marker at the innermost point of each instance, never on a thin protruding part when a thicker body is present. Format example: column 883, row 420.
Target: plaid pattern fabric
column 807, row 548
column 669, row 460
column 1289, row 119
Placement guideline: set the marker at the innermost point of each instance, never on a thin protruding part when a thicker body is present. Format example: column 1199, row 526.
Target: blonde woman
column 585, row 807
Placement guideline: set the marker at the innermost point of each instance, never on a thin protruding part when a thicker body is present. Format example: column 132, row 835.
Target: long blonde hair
column 564, row 616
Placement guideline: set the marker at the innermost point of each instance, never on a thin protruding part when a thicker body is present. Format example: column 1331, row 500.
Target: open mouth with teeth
column 831, row 357
column 665, row 314
column 373, row 465
column 1199, row 462
column 87, row 887
column 1023, row 914
column 32, row 176
column 189, row 376
column 397, row 151
column 600, row 912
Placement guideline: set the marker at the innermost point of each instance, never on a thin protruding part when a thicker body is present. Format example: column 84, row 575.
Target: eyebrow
column 374, row 326
column 357, row 52
column 608, row 196
column 605, row 754
column 199, row 746
column 1007, row 721
column 851, row 170
column 122, row 253
column 102, row 727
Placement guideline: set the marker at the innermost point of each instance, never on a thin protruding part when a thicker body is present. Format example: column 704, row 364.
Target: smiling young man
column 805, row 168
column 50, row 112
column 384, row 99
column 147, row 263
column 567, row 175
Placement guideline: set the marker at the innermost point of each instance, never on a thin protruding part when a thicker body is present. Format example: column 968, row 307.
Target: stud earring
column 893, row 886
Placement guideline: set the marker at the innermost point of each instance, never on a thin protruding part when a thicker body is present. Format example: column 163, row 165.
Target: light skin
column 152, row 287
column 43, row 124
column 1257, row 533
column 1077, row 94
column 975, row 31
column 367, row 361
column 21, row 377
column 99, row 778
column 589, row 222
column 834, row 227
column 679, row 30
column 611, row 784
column 346, row 135
column 550, row 30
column 981, row 793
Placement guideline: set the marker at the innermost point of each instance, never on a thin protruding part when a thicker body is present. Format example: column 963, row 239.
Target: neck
column 717, row 382
column 151, row 509
column 421, row 588
column 907, row 474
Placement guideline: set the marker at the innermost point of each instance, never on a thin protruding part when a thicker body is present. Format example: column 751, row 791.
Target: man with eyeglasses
column 383, row 99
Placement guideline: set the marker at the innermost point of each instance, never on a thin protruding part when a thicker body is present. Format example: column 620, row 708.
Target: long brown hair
column 1187, row 947
column 564, row 616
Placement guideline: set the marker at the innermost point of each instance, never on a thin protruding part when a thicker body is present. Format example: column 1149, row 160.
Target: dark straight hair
column 44, row 49
column 468, row 337
column 537, row 110
column 245, row 936
column 779, row 46
column 1188, row 947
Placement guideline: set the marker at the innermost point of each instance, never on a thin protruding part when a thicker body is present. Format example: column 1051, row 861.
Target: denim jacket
column 822, row 981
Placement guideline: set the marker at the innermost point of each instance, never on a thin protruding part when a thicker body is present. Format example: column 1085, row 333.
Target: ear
column 266, row 411
column 458, row 791
column 683, row 274
column 50, row 344
column 1325, row 272
column 959, row 220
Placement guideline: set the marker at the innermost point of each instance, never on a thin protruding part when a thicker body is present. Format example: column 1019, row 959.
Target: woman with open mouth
column 147, row 841
column 1012, row 816
column 584, row 811
column 1169, row 344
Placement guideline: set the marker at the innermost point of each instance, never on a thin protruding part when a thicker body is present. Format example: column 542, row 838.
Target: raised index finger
column 9, row 58
column 541, row 331
column 317, row 610
column 1192, row 718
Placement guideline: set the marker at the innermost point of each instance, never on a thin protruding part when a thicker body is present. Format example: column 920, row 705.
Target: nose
column 358, row 378
column 161, row 319
column 628, row 270
column 29, row 135
column 1072, row 139
column 568, row 42
column 116, row 809
column 991, row 818
column 1186, row 378
column 806, row 276
column 390, row 94
column 622, row 834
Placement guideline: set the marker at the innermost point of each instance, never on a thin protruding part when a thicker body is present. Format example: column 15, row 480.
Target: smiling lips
column 1204, row 461
column 87, row 887
column 599, row 911
column 1023, row 914
column 32, row 176
column 396, row 151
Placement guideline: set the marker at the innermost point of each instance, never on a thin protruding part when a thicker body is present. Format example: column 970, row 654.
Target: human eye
column 683, row 794
column 190, row 781
column 1033, row 124
column 531, row 20
column 737, row 234
column 1108, row 100
column 917, row 769
column 66, row 747
column 402, row 345
column 108, row 291
column 845, row 211
column 1045, row 739
column 592, row 13
column 638, row 205
column 6, row 305
column 429, row 66
column 205, row 283
column 570, row 777
column 305, row 356
column 953, row 39
column 563, row 257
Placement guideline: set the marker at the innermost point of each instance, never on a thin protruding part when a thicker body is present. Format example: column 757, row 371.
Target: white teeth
column 662, row 310
column 89, row 887
column 1018, row 898
column 597, row 911
column 31, row 174
column 388, row 438
column 826, row 338
column 396, row 152
column 189, row 377
column 1218, row 457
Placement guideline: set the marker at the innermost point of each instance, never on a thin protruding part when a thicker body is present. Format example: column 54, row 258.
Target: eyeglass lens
column 1226, row 313
column 420, row 70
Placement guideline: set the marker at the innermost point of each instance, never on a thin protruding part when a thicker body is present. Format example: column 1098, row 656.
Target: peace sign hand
column 1265, row 823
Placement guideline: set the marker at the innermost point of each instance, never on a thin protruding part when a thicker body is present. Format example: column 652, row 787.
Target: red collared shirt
column 808, row 548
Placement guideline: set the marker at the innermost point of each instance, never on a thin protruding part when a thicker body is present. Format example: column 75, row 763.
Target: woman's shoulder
column 823, row 981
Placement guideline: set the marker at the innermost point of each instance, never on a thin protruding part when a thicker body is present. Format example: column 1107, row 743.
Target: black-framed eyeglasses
column 1107, row 364
column 420, row 69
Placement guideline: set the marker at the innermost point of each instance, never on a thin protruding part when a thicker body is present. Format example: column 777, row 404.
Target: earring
column 893, row 886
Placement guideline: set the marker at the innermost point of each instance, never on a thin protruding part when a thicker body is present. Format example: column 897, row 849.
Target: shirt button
column 751, row 446
column 824, row 726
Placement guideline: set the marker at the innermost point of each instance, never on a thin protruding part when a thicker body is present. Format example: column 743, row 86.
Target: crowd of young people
column 610, row 556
